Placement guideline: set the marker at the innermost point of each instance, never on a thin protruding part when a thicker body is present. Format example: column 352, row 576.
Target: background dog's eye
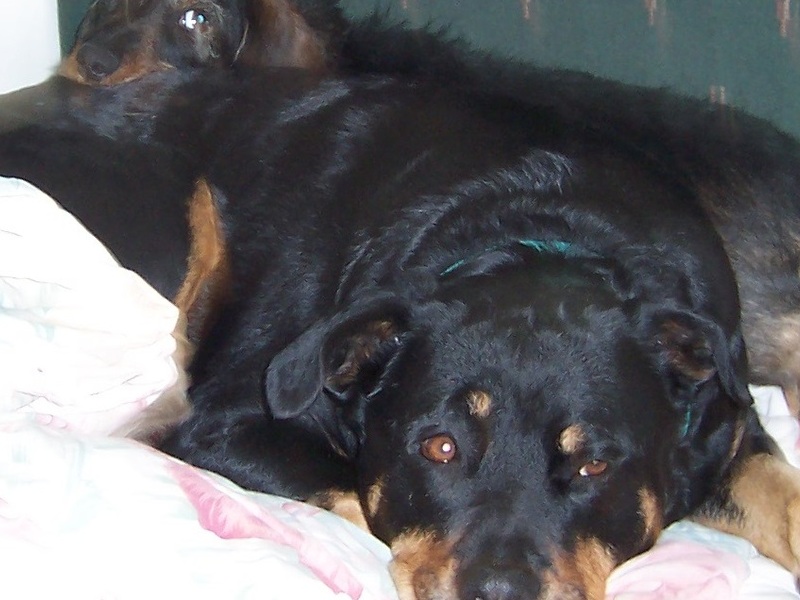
column 192, row 19
column 593, row 468
column 440, row 448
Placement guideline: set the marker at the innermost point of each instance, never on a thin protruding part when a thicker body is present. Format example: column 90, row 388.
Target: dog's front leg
column 761, row 503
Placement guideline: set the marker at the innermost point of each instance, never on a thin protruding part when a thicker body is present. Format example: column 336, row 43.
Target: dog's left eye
column 593, row 468
column 439, row 448
column 192, row 19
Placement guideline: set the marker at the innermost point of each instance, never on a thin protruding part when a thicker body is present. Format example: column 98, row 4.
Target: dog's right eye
column 192, row 19
column 593, row 468
column 440, row 448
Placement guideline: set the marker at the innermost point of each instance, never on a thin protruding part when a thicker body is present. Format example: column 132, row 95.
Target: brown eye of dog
column 192, row 19
column 593, row 468
column 439, row 448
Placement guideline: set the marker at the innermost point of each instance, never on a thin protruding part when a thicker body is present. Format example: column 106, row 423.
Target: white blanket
column 81, row 339
column 84, row 345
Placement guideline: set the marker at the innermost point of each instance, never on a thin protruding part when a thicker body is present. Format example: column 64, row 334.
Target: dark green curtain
column 745, row 53
column 742, row 52
column 70, row 13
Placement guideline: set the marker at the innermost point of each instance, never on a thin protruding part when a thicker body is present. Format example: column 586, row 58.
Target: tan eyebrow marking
column 572, row 439
column 480, row 404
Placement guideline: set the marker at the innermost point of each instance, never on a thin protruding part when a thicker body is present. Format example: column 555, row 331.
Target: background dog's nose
column 505, row 584
column 96, row 62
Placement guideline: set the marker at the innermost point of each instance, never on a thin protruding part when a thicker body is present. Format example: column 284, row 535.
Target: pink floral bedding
column 88, row 516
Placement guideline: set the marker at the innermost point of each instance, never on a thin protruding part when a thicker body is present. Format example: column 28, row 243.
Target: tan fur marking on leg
column 766, row 495
column 207, row 275
column 374, row 497
column 345, row 504
column 652, row 515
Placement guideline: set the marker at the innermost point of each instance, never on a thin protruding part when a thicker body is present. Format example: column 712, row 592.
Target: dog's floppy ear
column 705, row 370
column 279, row 36
column 696, row 350
column 335, row 358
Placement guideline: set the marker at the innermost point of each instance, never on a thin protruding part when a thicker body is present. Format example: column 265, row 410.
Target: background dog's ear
column 697, row 350
column 279, row 36
column 337, row 357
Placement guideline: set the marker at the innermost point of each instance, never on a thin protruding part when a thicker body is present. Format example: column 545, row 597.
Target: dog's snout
column 96, row 62
column 511, row 583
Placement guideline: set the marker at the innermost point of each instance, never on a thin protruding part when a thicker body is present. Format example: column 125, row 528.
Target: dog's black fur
column 490, row 313
column 743, row 171
column 131, row 195
column 93, row 152
column 413, row 267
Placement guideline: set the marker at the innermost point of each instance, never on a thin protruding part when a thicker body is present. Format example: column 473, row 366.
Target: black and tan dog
column 119, row 41
column 437, row 324
column 431, row 297
column 95, row 154
column 92, row 151
column 744, row 172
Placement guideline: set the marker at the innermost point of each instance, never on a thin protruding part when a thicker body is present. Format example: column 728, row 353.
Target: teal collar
column 559, row 247
column 687, row 421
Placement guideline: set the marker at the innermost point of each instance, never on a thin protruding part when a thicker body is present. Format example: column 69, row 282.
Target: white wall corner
column 29, row 42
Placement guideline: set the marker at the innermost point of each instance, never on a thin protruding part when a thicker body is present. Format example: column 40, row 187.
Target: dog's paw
column 763, row 506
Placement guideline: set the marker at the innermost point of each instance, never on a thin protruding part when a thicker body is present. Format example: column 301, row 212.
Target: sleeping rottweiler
column 506, row 345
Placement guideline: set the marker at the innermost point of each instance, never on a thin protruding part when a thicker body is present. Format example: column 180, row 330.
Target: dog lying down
column 742, row 172
column 503, row 338
column 507, row 345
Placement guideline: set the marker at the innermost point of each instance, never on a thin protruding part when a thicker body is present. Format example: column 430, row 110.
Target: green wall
column 69, row 16
column 745, row 52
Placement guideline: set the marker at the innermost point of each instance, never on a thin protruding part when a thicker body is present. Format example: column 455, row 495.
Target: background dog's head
column 122, row 40
column 524, row 432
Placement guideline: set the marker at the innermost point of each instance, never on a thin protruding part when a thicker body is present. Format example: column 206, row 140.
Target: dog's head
column 122, row 40
column 526, row 430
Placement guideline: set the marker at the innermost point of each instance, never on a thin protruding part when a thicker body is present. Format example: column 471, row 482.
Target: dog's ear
column 279, row 36
column 705, row 370
column 335, row 358
column 696, row 350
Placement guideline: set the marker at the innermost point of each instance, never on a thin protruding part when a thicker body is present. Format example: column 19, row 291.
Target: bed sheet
column 85, row 345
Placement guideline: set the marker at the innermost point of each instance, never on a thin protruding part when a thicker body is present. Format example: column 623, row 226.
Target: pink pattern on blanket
column 230, row 518
column 677, row 569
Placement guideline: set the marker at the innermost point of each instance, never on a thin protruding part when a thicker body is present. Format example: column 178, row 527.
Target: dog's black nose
column 504, row 584
column 96, row 62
